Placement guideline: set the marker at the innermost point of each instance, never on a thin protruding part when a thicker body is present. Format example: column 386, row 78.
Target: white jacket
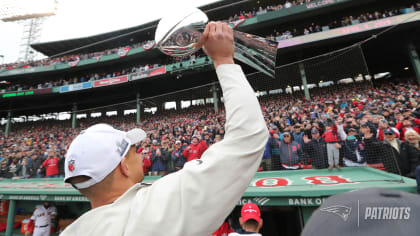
column 195, row 200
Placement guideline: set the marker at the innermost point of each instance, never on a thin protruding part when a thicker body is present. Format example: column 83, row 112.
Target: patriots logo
column 342, row 211
column 71, row 165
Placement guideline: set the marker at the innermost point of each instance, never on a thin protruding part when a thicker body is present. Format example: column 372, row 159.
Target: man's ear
column 260, row 224
column 241, row 222
column 124, row 167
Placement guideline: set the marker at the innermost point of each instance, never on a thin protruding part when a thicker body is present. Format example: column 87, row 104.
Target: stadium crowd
column 97, row 55
column 67, row 58
column 343, row 125
column 281, row 34
column 313, row 28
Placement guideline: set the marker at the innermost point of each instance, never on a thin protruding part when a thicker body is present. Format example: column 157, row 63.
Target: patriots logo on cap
column 71, row 165
column 342, row 211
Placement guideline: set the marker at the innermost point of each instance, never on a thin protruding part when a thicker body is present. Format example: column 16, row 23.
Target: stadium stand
column 380, row 107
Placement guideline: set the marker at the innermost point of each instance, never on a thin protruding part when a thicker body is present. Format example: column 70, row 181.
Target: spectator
column 167, row 153
column 298, row 134
column 274, row 150
column 51, row 166
column 404, row 125
column 372, row 146
column 402, row 158
column 177, row 156
column 4, row 171
column 333, row 146
column 250, row 220
column 159, row 160
column 195, row 149
column 290, row 153
column 61, row 161
column 146, row 161
column 24, row 168
column 352, row 147
column 36, row 166
column 316, row 150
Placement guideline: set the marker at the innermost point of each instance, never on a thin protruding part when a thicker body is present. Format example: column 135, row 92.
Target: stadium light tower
column 31, row 13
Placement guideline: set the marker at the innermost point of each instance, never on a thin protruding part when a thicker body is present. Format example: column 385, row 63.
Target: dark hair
column 251, row 223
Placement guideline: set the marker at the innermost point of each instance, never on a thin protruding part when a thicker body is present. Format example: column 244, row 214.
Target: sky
column 81, row 18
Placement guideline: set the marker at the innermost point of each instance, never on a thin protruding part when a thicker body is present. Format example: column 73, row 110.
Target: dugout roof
column 272, row 188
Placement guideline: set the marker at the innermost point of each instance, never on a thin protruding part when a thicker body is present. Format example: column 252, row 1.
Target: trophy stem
column 257, row 52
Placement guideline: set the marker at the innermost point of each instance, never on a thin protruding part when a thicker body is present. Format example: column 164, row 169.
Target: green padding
column 88, row 61
column 199, row 62
column 110, row 57
column 249, row 21
column 27, row 70
column 136, row 50
column 62, row 66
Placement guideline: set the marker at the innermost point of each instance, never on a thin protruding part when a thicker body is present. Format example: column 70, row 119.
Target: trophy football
column 176, row 35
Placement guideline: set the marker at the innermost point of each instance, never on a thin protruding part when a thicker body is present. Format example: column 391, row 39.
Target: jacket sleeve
column 196, row 199
column 267, row 152
column 413, row 157
column 203, row 146
column 399, row 125
column 185, row 152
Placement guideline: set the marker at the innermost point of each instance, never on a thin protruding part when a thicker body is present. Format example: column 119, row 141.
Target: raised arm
column 341, row 132
column 196, row 199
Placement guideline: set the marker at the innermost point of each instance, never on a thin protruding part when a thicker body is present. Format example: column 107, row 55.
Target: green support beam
column 415, row 61
column 304, row 82
column 215, row 99
column 8, row 124
column 11, row 218
column 74, row 116
column 138, row 103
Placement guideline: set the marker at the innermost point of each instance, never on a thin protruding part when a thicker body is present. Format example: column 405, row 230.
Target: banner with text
column 110, row 81
column 75, row 87
column 348, row 30
column 26, row 93
column 148, row 73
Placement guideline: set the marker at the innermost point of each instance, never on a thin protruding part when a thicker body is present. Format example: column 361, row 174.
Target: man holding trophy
column 193, row 201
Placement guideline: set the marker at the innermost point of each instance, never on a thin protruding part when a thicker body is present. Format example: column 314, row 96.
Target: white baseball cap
column 97, row 151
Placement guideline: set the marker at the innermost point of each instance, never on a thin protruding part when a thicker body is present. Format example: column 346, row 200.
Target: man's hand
column 217, row 42
column 368, row 135
column 306, row 139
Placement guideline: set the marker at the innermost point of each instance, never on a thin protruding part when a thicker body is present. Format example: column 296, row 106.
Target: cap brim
column 136, row 135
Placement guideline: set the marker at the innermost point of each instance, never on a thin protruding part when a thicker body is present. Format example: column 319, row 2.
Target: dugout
column 286, row 198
